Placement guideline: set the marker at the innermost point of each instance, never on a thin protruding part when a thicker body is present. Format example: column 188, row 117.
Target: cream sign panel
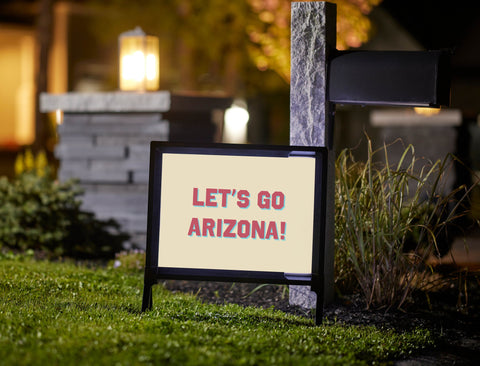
column 243, row 213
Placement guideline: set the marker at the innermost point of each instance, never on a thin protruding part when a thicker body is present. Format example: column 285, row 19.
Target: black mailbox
column 407, row 78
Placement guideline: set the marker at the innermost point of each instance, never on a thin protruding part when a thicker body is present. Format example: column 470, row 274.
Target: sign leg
column 147, row 302
column 319, row 308
column 318, row 287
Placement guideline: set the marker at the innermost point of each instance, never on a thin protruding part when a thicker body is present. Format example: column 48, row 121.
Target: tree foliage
column 228, row 44
column 270, row 35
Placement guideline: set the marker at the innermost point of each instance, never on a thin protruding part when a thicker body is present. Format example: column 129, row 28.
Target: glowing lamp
column 236, row 120
column 139, row 61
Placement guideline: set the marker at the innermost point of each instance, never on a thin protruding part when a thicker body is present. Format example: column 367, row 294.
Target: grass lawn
column 63, row 314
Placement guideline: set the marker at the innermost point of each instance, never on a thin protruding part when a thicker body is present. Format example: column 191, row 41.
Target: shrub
column 389, row 220
column 41, row 214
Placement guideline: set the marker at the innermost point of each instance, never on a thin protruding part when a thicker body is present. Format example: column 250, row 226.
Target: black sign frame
column 154, row 273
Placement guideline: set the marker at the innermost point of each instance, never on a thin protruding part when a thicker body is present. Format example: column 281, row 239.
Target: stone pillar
column 104, row 142
column 313, row 37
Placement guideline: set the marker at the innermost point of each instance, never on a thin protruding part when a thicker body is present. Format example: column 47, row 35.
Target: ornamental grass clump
column 389, row 219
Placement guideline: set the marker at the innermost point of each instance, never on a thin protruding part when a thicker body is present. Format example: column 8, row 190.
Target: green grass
column 63, row 314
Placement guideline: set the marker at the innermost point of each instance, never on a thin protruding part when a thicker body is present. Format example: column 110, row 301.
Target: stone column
column 104, row 143
column 313, row 37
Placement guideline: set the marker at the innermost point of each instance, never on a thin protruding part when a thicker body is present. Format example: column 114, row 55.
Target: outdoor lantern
column 139, row 61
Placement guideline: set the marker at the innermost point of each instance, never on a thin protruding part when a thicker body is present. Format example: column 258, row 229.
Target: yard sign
column 242, row 213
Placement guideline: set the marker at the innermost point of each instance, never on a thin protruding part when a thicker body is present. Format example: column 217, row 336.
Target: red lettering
column 282, row 230
column 196, row 202
column 210, row 197
column 219, row 228
column 243, row 198
column 230, row 228
column 258, row 229
column 272, row 230
column 267, row 201
column 208, row 226
column 263, row 200
column 224, row 193
column 243, row 229
column 229, row 233
column 278, row 200
column 194, row 227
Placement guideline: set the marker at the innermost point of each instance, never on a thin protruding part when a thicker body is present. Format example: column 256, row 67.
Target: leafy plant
column 389, row 220
column 41, row 214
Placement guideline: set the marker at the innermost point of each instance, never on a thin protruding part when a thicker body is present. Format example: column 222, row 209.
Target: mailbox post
column 322, row 77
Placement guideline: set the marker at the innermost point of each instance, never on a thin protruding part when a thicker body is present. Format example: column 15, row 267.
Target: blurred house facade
column 19, row 67
column 77, row 62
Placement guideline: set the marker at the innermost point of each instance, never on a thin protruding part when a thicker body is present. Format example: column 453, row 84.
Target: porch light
column 139, row 61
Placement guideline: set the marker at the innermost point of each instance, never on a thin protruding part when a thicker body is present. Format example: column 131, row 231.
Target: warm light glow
column 139, row 62
column 17, row 86
column 151, row 67
column 133, row 66
column 426, row 111
column 236, row 120
column 59, row 116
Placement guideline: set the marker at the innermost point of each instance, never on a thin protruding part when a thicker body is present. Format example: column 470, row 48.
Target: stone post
column 104, row 142
column 313, row 38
